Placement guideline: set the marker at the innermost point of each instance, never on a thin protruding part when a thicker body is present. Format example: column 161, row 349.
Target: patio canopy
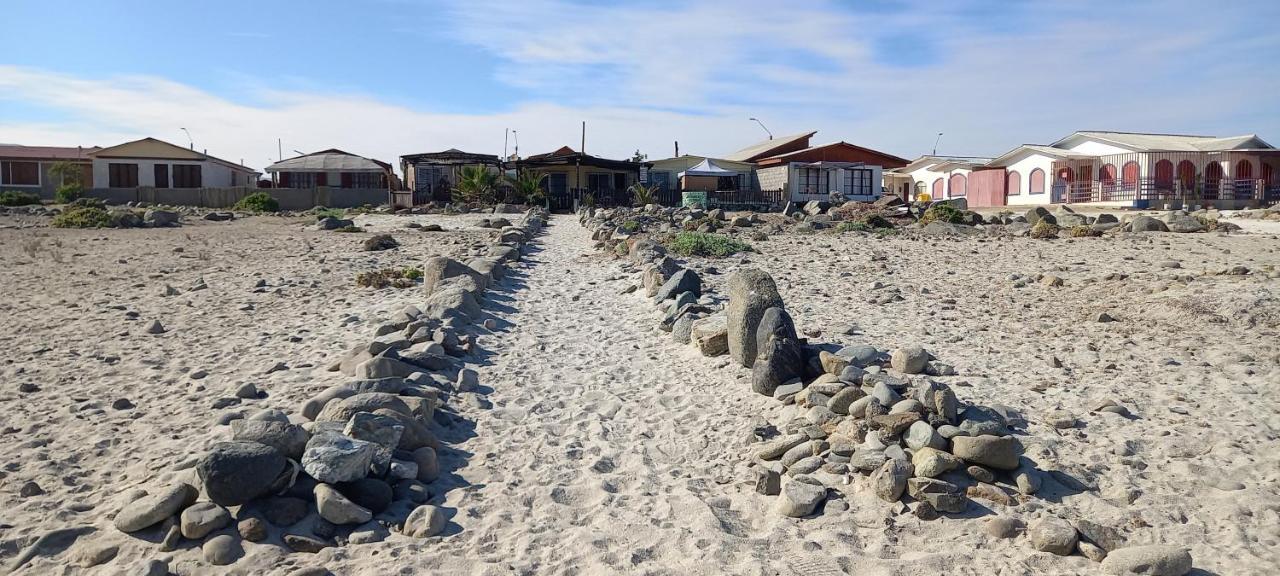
column 708, row 168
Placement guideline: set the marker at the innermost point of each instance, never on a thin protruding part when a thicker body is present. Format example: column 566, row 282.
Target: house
column 772, row 147
column 571, row 175
column 807, row 172
column 332, row 168
column 941, row 177
column 1136, row 169
column 154, row 163
column 26, row 168
column 431, row 176
column 691, row 172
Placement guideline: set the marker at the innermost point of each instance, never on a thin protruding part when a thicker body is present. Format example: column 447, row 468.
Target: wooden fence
column 289, row 198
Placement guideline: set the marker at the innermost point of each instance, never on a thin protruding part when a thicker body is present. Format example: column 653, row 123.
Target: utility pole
column 766, row 130
column 935, row 144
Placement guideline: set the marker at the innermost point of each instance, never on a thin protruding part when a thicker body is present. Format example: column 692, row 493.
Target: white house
column 157, row 164
column 941, row 177
column 1123, row 168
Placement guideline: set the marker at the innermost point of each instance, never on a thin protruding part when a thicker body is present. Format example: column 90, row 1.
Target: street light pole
column 935, row 144
column 190, row 143
column 766, row 130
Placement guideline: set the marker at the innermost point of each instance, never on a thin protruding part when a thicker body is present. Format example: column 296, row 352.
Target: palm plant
column 528, row 186
column 642, row 195
column 476, row 184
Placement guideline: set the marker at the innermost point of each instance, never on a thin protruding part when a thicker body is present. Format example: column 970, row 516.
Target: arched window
column 1187, row 174
column 1164, row 174
column 1107, row 174
column 1213, row 172
column 937, row 189
column 1268, row 174
column 1244, row 170
column 1014, row 183
column 1129, row 176
column 957, row 185
column 1035, row 185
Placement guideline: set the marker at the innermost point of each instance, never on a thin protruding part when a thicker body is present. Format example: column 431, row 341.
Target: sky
column 383, row 78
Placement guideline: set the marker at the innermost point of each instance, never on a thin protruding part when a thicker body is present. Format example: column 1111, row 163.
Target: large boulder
column 289, row 439
column 1147, row 224
column 779, row 356
column 685, row 280
column 151, row 509
column 999, row 452
column 1182, row 222
column 751, row 292
column 453, row 304
column 1154, row 560
column 331, row 458
column 236, row 472
column 1035, row 215
column 343, row 410
column 160, row 218
column 438, row 268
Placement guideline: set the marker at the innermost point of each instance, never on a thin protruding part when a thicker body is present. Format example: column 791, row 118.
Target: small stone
column 300, row 543
column 1155, row 560
column 909, row 360
column 336, row 508
column 424, row 522
column 999, row 452
column 151, row 510
column 284, row 511
column 201, row 518
column 922, row 435
column 252, row 529
column 981, row 474
column 1104, row 317
column 768, row 481
column 1091, row 551
column 891, row 479
column 1054, row 535
column 932, row 462
column 1004, row 527
column 246, row 391
column 155, row 328
column 800, row 497
column 222, row 550
column 29, row 489
column 122, row 404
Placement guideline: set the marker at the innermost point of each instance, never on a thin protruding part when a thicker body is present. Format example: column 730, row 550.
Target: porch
column 1221, row 179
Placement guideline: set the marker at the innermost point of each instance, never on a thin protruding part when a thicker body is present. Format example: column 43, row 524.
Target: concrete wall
column 772, row 178
column 289, row 198
column 212, row 174
column 1024, row 167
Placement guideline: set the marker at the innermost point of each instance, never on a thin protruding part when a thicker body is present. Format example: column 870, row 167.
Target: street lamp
column 935, row 144
column 190, row 142
column 766, row 130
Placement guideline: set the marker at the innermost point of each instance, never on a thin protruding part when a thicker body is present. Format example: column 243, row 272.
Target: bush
column 852, row 227
column 943, row 213
column 67, row 193
column 258, row 202
column 1044, row 230
column 89, row 203
column 700, row 244
column 18, row 198
column 852, row 211
column 1083, row 231
column 322, row 213
column 349, row 229
column 395, row 277
column 82, row 217
column 631, row 226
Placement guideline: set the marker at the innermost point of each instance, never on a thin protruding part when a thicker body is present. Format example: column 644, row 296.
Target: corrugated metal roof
column 760, row 148
column 329, row 160
column 46, row 152
column 1173, row 142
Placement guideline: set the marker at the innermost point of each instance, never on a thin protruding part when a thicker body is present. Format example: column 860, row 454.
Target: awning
column 708, row 168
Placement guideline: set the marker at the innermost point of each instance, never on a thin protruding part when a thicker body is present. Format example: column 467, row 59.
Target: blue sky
column 391, row 77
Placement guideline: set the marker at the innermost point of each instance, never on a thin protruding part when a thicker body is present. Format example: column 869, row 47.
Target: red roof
column 46, row 152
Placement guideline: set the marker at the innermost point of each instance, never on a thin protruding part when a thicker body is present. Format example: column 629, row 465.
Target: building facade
column 432, row 175
column 152, row 163
column 28, row 168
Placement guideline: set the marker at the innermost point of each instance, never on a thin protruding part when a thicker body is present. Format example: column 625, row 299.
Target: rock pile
column 356, row 460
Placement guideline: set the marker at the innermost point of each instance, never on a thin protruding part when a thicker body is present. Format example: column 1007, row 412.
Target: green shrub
column 395, row 277
column 18, row 198
column 1044, row 230
column 852, row 227
column 943, row 213
column 82, row 217
column 701, row 244
column 411, row 273
column 258, row 202
column 631, row 226
column 89, row 203
column 323, row 213
column 67, row 193
column 877, row 221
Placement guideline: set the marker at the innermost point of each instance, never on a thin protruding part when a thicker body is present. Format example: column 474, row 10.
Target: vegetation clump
column 380, row 242
column 631, row 226
column 67, row 193
column 405, row 277
column 349, row 229
column 1083, row 231
column 82, row 217
column 258, row 202
column 943, row 213
column 701, row 244
column 1044, row 230
column 18, row 198
column 89, row 203
column 642, row 195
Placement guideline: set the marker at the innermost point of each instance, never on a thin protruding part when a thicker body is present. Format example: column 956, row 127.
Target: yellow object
column 923, row 197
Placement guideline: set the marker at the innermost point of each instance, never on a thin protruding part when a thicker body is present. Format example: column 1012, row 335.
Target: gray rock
column 428, row 465
column 777, row 447
column 252, row 529
column 333, row 458
column 416, row 434
column 312, row 407
column 336, row 508
column 980, row 474
column 751, row 292
column 1004, row 527
column 684, row 280
column 1147, row 224
column 284, row 511
column 922, row 435
column 289, row 439
column 891, row 479
column 1154, row 560
column 439, row 268
column 768, row 481
column 859, row 356
column 999, row 452
column 909, row 360
column 787, row 392
column 201, row 518
column 236, row 472
column 982, row 420
column 1052, row 534
column 1183, row 223
column 343, row 410
column 160, row 218
column 305, row 544
column 370, row 493
column 1105, row 537
column 382, row 431
column 682, row 329
column 222, row 550
column 800, row 497
column 885, row 395
column 151, row 509
column 424, row 522
column 844, row 398
column 779, row 356
column 151, row 568
column 453, row 304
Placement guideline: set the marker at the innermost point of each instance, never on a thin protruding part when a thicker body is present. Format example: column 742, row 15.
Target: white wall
column 1095, row 148
column 212, row 174
column 1023, row 167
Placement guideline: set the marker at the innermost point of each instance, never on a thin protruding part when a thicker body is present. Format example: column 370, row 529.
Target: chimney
column 677, row 148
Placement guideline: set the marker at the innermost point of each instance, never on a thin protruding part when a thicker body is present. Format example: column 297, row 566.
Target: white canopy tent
column 708, row 167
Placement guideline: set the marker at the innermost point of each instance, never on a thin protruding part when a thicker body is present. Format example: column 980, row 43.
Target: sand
column 610, row 449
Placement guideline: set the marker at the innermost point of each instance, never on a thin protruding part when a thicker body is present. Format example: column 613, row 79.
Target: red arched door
column 957, row 185
column 1212, row 179
column 1107, row 180
column 1129, row 176
column 937, row 189
column 1164, row 175
column 1187, row 174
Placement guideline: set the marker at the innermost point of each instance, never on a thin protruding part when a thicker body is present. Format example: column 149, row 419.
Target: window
column 957, row 185
column 857, row 182
column 660, row 180
column 162, row 175
column 558, row 183
column 599, row 181
column 1107, row 174
column 1164, row 173
column 365, row 180
column 937, row 189
column 20, row 173
column 1187, row 173
column 1035, row 185
column 727, row 183
column 122, row 175
column 1129, row 176
column 186, row 176
column 1244, row 170
column 1014, row 184
column 298, row 180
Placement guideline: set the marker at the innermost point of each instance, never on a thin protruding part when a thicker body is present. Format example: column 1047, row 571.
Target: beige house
column 152, row 163
column 572, row 175
column 26, row 168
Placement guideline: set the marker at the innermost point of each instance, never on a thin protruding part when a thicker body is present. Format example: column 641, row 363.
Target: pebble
column 1054, row 535
column 201, row 518
column 155, row 328
column 252, row 529
column 29, row 489
column 424, row 522
column 222, row 550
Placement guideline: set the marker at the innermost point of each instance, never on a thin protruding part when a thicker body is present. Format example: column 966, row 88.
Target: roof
column 46, row 152
column 1140, row 142
column 190, row 154
column 327, row 160
column 765, row 148
column 568, row 156
column 452, row 154
column 1050, row 151
column 708, row 167
column 933, row 160
column 686, row 161
column 783, row 157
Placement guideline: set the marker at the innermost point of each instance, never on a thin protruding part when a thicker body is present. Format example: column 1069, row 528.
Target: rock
column 1035, row 215
column 990, row 493
column 222, row 550
column 685, row 280
column 800, row 497
column 152, row 509
column 977, row 473
column 333, row 458
column 424, row 522
column 841, row 402
column 1052, row 534
column 160, row 218
column 151, row 568
column 336, row 508
column 382, row 431
column 931, row 462
column 343, row 410
column 312, row 407
column 438, row 269
column 909, row 360
column 885, row 395
column 236, row 472
column 307, row 544
column 1104, row 317
column 1090, row 551
column 284, row 511
column 369, row 493
column 428, row 464
column 775, row 448
column 1027, row 478
column 894, row 424
column 711, row 335
column 751, row 292
column 860, row 356
column 1153, row 560
column 1105, row 537
column 768, row 481
column 779, row 356
column 95, row 554
column 982, row 420
column 1182, row 223
column 831, row 363
column 999, row 452
column 201, row 518
column 890, row 479
column 156, row 328
column 1147, row 224
column 29, row 489
column 416, row 434
column 920, row 435
column 252, row 529
column 1004, row 527
column 289, row 439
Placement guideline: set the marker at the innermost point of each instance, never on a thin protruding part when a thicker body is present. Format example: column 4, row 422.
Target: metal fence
column 1197, row 190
